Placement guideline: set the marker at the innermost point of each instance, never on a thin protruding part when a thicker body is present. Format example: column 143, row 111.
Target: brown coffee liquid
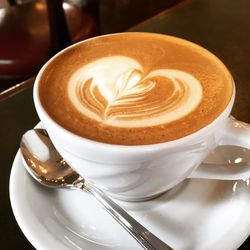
column 135, row 88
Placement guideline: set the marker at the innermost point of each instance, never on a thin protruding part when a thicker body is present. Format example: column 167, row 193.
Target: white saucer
column 197, row 214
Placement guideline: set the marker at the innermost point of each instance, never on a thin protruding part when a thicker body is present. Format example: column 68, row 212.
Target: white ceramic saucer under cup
column 196, row 214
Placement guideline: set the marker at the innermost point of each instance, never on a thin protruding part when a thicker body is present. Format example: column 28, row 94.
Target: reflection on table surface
column 221, row 26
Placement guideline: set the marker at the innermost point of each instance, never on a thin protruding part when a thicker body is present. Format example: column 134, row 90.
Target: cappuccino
column 135, row 88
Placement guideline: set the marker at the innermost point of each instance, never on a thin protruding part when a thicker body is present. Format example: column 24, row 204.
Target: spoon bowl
column 54, row 171
column 46, row 166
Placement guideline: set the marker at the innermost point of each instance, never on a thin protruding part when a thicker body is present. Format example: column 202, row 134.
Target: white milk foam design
column 115, row 91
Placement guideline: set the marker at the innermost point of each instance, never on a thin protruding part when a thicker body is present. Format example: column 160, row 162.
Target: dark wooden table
column 221, row 26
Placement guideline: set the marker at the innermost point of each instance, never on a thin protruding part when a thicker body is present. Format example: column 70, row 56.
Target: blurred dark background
column 31, row 31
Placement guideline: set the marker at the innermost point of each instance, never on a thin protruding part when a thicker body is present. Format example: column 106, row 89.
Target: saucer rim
column 19, row 214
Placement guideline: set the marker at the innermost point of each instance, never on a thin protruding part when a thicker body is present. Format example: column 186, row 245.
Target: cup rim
column 151, row 147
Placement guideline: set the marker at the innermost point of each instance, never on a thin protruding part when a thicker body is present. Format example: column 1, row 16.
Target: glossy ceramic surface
column 196, row 214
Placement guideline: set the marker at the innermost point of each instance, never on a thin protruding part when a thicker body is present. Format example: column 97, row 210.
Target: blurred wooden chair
column 30, row 33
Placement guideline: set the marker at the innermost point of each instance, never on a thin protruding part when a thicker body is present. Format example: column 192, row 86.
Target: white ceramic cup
column 136, row 173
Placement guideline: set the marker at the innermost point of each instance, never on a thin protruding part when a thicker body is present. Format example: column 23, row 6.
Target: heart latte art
column 115, row 90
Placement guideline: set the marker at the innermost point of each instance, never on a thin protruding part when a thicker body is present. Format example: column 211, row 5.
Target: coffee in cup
column 135, row 88
column 137, row 113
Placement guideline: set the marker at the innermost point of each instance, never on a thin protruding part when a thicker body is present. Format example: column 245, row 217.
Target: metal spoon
column 47, row 167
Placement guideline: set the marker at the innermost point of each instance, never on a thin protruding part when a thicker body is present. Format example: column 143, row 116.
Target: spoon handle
column 147, row 239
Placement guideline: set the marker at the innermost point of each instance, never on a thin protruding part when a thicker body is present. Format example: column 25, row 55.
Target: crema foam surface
column 135, row 88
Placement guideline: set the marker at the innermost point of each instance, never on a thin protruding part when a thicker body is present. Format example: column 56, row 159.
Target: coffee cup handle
column 236, row 133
